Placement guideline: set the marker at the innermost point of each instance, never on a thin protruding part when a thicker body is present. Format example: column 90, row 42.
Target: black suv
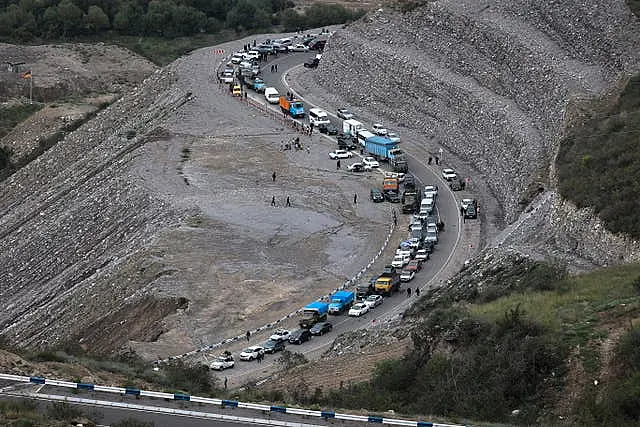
column 376, row 195
column 471, row 212
column 272, row 346
column 300, row 336
column 345, row 142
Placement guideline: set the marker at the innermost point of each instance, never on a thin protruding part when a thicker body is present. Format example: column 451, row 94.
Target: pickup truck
column 222, row 362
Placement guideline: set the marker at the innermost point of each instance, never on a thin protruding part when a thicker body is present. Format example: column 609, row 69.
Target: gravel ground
column 150, row 228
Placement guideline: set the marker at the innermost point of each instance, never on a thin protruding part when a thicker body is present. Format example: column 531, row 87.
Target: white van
column 318, row 116
column 426, row 206
column 363, row 135
column 272, row 96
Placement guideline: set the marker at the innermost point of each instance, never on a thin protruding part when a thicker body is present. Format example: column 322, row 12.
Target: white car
column 430, row 191
column 378, row 129
column 372, row 301
column 358, row 167
column 407, row 275
column 449, row 174
column 393, row 136
column 251, row 55
column 251, row 353
column 298, row 48
column 400, row 261
column 280, row 335
column 370, row 162
column 227, row 78
column 358, row 309
column 237, row 58
column 422, row 255
column 222, row 362
column 340, row 154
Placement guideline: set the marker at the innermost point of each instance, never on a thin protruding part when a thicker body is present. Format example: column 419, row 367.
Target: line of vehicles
column 377, row 145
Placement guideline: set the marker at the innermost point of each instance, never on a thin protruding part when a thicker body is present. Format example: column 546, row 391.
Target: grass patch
column 574, row 309
column 10, row 116
column 599, row 161
column 162, row 51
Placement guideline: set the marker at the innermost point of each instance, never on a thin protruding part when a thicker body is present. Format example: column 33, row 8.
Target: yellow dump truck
column 387, row 285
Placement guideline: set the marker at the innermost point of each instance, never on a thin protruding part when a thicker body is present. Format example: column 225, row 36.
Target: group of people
column 273, row 203
column 409, row 292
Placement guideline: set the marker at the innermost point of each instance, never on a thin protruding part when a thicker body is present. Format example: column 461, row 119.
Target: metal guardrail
column 123, row 391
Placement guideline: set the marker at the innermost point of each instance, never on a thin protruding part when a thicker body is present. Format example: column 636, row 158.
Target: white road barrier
column 206, row 400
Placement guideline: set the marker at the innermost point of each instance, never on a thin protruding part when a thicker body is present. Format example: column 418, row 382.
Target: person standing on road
column 226, row 380
column 338, row 164
column 249, row 332
column 417, row 292
column 310, row 128
column 408, row 292
column 275, row 66
column 272, row 68
column 273, row 176
column 288, row 202
column 355, row 198
column 430, row 159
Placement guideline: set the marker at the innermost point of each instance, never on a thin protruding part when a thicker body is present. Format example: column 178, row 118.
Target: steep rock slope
column 489, row 82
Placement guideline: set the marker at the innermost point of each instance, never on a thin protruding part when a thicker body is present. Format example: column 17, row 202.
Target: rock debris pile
column 489, row 82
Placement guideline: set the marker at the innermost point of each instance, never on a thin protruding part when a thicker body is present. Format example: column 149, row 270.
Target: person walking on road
column 338, row 164
column 408, row 292
column 249, row 332
column 273, row 203
column 288, row 202
column 417, row 292
column 275, row 66
column 273, row 176
column 226, row 380
column 355, row 198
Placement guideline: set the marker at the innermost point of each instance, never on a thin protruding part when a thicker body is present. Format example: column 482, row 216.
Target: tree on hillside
column 17, row 22
column 71, row 18
column 128, row 18
column 97, row 20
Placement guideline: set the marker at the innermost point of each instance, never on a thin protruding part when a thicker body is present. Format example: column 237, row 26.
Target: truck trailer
column 313, row 313
column 341, row 301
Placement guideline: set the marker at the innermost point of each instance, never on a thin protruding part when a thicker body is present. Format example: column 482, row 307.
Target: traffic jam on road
column 373, row 151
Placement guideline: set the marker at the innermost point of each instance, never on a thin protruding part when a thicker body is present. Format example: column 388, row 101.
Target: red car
column 414, row 265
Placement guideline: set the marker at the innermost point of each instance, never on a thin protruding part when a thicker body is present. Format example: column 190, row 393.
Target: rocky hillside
column 490, row 82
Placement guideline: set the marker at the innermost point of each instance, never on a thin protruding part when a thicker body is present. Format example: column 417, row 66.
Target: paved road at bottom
column 142, row 409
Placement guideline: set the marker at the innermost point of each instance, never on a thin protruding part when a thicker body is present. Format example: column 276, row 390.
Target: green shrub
column 598, row 162
column 63, row 411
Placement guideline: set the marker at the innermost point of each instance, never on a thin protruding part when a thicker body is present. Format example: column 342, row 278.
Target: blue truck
column 313, row 313
column 293, row 107
column 383, row 148
column 341, row 301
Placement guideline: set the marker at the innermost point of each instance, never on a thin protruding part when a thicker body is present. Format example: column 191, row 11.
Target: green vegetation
column 28, row 21
column 10, row 116
column 495, row 351
column 634, row 5
column 28, row 413
column 599, row 162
